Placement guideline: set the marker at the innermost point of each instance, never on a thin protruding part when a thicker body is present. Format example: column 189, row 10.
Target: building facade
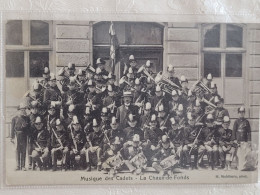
column 231, row 52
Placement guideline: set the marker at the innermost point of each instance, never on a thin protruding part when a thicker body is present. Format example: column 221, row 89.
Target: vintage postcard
column 127, row 102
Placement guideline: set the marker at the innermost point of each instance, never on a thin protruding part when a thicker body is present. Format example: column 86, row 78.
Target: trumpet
column 200, row 87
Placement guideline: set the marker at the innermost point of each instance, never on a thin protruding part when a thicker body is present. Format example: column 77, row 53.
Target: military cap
column 209, row 76
column 174, row 93
column 183, row 79
column 161, row 108
column 87, row 110
column 117, row 141
column 81, row 72
column 165, row 139
column 46, row 70
column 136, row 138
column 131, row 118
column 137, row 81
column 104, row 111
column 71, row 66
column 91, row 82
column 71, row 108
column 58, row 122
column 158, row 88
column 75, row 120
column 148, row 106
column 52, row 77
column 172, row 119
column 226, row 119
column 95, row 123
column 34, row 104
column 241, row 109
column 170, row 68
column 37, row 86
column 153, row 118
column 180, row 107
column 131, row 58
column 100, row 61
column 111, row 76
column 38, row 120
column 148, row 63
column 114, row 121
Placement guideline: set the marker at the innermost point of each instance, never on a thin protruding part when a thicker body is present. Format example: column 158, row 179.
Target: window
column 26, row 56
column 14, row 64
column 38, row 60
column 223, row 41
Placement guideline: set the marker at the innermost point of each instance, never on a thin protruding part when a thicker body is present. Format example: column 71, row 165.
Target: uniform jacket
column 242, row 130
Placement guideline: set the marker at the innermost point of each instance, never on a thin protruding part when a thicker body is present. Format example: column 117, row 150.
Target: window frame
column 223, row 50
column 27, row 48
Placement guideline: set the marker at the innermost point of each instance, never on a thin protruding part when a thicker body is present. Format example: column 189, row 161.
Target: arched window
column 142, row 39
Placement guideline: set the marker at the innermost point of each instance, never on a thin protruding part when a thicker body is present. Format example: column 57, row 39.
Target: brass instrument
column 201, row 88
column 166, row 84
column 144, row 70
column 65, row 76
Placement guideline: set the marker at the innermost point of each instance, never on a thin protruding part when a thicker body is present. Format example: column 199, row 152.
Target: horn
column 209, row 103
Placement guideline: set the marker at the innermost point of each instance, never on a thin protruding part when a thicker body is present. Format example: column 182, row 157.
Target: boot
column 88, row 167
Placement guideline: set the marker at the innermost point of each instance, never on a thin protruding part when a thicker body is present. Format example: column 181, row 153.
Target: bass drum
column 247, row 157
column 139, row 161
column 169, row 162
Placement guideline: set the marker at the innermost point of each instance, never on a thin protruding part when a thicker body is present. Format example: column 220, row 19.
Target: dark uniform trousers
column 43, row 139
column 19, row 130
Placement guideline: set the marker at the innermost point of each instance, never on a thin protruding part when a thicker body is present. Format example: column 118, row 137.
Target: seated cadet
column 208, row 145
column 152, row 136
column 41, row 144
column 211, row 143
column 93, row 146
column 226, row 143
column 209, row 79
column 112, row 132
column 60, row 145
column 78, row 139
column 176, row 135
column 101, row 64
column 164, row 159
column 191, row 143
column 71, row 113
column 90, row 92
column 133, row 155
column 111, row 158
column 133, row 129
column 46, row 77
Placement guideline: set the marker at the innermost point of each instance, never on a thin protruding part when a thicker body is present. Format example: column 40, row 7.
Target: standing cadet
column 146, row 116
column 112, row 101
column 34, row 108
column 41, row 144
column 101, row 64
column 241, row 128
column 171, row 72
column 52, row 93
column 20, row 127
column 226, row 143
column 219, row 111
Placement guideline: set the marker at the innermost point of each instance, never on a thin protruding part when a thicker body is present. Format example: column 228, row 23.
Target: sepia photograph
column 127, row 102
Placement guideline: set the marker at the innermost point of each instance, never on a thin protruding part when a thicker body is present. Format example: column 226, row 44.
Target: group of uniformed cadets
column 90, row 122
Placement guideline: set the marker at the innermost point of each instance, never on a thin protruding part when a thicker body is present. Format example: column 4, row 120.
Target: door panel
column 234, row 91
column 15, row 89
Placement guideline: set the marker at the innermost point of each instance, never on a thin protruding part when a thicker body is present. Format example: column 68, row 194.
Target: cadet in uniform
column 226, row 142
column 160, row 164
column 133, row 129
column 20, row 127
column 93, row 146
column 78, row 139
column 171, row 72
column 60, row 145
column 40, row 144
